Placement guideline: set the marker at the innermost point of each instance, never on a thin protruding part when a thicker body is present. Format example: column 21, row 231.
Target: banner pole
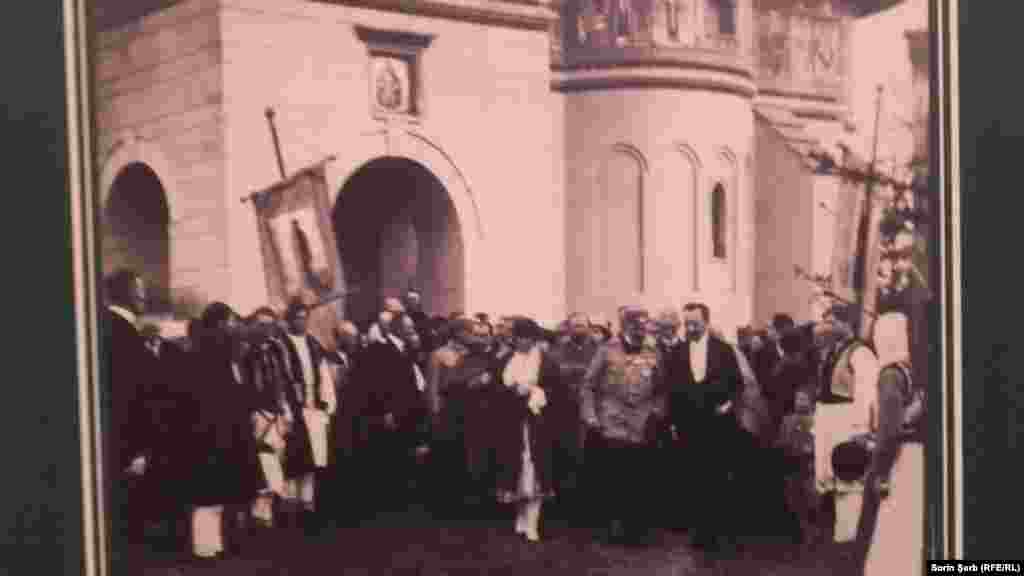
column 269, row 113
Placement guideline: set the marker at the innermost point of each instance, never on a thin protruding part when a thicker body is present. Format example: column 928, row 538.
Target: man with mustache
column 705, row 380
column 623, row 403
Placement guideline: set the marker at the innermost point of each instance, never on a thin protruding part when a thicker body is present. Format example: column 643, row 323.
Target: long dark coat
column 226, row 468
column 692, row 406
column 343, row 429
column 383, row 382
column 131, row 368
column 171, row 468
column 509, row 411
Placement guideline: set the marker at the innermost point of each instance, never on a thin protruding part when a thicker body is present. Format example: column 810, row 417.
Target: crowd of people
column 252, row 423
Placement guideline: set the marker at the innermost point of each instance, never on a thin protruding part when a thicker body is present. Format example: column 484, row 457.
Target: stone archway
column 399, row 142
column 135, row 224
column 398, row 228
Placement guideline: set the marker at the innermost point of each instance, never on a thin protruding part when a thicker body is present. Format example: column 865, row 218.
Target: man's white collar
column 397, row 342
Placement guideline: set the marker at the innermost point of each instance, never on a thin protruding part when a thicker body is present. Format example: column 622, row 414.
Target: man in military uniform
column 623, row 404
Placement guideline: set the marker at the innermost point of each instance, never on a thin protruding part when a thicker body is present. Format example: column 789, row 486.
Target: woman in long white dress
column 892, row 525
column 525, row 429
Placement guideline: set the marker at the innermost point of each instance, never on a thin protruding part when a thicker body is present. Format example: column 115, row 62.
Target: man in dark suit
column 385, row 393
column 705, row 380
column 413, row 303
column 573, row 354
column 768, row 358
column 131, row 408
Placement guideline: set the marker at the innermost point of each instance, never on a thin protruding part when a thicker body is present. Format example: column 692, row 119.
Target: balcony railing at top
column 609, row 27
column 801, row 54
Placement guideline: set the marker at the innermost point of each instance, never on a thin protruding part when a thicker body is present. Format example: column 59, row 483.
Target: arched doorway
column 397, row 228
column 135, row 225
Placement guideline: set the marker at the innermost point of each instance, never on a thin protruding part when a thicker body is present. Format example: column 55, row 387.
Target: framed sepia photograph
column 536, row 287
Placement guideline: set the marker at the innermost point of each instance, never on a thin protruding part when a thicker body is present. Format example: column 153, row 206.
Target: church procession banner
column 849, row 210
column 300, row 255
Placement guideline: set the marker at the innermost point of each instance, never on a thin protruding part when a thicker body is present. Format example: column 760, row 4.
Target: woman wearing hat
column 524, row 430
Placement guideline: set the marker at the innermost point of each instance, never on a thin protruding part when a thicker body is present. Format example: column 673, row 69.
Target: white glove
column 537, row 400
column 138, row 466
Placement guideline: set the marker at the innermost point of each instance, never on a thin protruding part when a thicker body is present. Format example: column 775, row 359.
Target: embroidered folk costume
column 310, row 403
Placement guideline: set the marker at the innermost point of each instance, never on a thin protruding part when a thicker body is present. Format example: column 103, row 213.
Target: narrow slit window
column 718, row 221
column 727, row 17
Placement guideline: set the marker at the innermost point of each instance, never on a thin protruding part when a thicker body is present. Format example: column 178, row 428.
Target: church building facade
column 501, row 156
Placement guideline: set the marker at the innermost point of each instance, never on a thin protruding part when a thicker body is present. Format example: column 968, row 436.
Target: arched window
column 720, row 17
column 719, row 222
column 625, row 219
column 727, row 17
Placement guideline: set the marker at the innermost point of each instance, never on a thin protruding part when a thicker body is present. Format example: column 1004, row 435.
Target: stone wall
column 785, row 228
column 158, row 101
column 686, row 141
column 485, row 132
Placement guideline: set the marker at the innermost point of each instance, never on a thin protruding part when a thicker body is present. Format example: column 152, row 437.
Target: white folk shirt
column 317, row 421
column 699, row 358
column 306, row 359
column 326, row 380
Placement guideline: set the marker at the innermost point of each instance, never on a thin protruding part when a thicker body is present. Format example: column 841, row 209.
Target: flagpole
column 868, row 238
column 269, row 113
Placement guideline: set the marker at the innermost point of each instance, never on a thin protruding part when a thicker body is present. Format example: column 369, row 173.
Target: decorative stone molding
column 691, row 156
column 621, row 77
column 523, row 14
column 417, row 147
column 395, row 73
column 128, row 149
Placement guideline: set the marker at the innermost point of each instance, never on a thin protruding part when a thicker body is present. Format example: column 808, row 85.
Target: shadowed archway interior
column 136, row 227
column 397, row 228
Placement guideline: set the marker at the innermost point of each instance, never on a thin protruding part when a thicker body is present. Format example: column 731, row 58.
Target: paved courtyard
column 413, row 543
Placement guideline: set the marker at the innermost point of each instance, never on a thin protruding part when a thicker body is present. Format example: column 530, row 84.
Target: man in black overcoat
column 131, row 408
column 704, row 378
column 386, row 395
column 769, row 358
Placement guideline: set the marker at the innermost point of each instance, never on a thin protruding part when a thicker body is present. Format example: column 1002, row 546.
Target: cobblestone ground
column 411, row 543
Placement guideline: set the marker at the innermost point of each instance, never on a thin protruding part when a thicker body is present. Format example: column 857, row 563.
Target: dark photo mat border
column 42, row 481
column 991, row 144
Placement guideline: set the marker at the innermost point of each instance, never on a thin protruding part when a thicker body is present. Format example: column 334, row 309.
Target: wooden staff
column 277, row 142
column 869, row 249
column 331, row 298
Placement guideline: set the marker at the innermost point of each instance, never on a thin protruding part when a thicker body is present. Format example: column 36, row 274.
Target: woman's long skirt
column 896, row 545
